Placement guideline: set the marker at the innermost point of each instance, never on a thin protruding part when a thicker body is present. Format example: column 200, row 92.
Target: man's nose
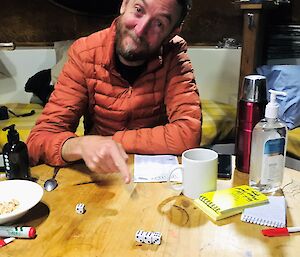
column 141, row 27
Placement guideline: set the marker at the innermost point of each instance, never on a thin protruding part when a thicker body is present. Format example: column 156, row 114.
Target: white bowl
column 26, row 192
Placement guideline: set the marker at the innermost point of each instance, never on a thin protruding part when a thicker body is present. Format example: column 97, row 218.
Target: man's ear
column 123, row 6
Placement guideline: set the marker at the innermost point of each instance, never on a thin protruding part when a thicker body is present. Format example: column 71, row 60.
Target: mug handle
column 176, row 185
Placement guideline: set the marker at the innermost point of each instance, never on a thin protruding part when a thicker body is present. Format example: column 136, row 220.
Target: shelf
column 247, row 5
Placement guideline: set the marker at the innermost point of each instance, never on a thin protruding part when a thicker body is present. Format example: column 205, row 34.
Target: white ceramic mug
column 199, row 172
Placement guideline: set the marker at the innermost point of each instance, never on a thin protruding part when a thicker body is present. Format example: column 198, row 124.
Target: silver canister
column 254, row 89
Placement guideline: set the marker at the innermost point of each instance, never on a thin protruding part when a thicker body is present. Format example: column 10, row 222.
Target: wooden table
column 115, row 211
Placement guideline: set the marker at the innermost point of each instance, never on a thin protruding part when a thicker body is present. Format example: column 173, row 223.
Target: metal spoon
column 51, row 183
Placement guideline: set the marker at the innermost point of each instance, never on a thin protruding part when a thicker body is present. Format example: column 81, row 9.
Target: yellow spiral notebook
column 224, row 203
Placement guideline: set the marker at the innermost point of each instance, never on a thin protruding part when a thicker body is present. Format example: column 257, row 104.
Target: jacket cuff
column 118, row 137
column 57, row 148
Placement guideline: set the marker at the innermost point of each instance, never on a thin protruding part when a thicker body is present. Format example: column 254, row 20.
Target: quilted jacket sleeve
column 183, row 131
column 61, row 115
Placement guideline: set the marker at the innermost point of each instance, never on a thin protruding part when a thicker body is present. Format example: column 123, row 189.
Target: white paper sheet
column 155, row 168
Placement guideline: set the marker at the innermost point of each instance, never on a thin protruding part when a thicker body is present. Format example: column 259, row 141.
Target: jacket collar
column 109, row 49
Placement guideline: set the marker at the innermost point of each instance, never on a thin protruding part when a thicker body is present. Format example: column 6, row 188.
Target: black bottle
column 15, row 155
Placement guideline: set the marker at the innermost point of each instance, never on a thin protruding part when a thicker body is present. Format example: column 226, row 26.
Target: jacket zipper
column 129, row 102
column 130, row 90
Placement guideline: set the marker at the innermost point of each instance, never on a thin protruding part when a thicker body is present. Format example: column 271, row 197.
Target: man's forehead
column 150, row 2
column 172, row 4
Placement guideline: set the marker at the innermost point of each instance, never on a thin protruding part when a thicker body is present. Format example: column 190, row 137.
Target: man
column 134, row 84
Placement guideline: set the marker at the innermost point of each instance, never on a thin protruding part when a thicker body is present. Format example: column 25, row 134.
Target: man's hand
column 100, row 154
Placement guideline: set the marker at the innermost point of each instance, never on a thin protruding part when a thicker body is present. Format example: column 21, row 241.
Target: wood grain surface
column 30, row 21
column 115, row 211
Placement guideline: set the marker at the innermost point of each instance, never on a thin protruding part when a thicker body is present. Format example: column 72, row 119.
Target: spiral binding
column 262, row 222
column 209, row 203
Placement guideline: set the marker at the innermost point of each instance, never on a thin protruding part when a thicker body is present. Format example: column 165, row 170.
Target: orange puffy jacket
column 158, row 114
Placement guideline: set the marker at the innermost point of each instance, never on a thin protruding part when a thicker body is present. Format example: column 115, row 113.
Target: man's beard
column 130, row 53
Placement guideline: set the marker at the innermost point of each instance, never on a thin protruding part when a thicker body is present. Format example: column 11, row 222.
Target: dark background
column 44, row 21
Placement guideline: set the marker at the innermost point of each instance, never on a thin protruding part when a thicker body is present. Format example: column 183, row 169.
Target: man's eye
column 159, row 24
column 138, row 9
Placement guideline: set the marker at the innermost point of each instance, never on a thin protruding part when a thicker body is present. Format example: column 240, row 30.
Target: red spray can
column 251, row 109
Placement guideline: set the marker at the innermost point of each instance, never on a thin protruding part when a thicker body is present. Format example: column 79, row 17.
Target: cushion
column 218, row 122
column 285, row 78
column 217, row 127
column 293, row 143
column 24, row 124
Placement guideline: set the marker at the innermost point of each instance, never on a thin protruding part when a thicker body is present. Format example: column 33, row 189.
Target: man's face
column 142, row 28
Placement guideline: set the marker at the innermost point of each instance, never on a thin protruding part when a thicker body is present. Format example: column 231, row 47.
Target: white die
column 156, row 238
column 147, row 237
column 80, row 208
column 139, row 236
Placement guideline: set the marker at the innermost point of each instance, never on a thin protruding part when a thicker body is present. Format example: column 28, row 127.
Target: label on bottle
column 273, row 161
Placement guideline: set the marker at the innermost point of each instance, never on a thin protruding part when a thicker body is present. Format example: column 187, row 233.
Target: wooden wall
column 42, row 21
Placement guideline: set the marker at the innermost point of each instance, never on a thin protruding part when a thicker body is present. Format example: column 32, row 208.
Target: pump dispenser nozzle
column 272, row 107
column 12, row 135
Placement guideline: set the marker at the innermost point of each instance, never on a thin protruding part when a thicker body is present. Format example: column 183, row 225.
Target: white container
column 268, row 149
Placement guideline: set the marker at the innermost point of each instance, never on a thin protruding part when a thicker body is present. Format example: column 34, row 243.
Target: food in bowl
column 8, row 206
column 27, row 193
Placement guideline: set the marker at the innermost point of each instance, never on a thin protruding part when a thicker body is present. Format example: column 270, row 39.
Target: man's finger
column 121, row 165
column 122, row 151
column 124, row 170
